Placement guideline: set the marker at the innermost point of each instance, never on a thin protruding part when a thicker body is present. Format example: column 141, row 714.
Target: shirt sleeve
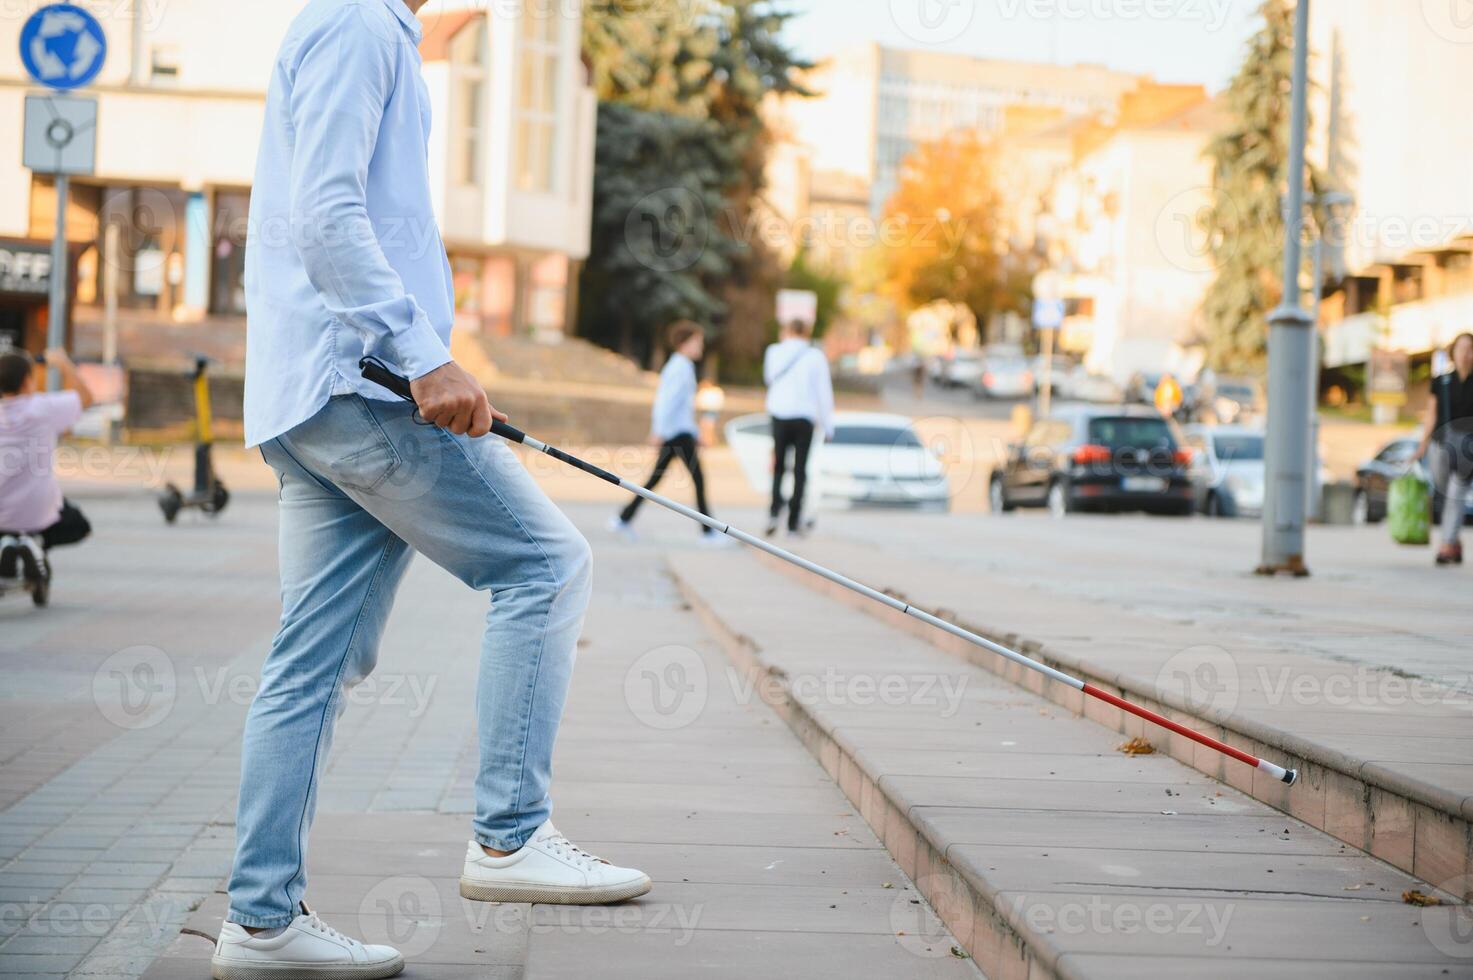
column 344, row 77
column 61, row 410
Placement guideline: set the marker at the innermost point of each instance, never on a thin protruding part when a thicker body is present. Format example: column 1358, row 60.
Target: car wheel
column 997, row 497
column 1214, row 505
column 1058, row 499
column 1360, row 508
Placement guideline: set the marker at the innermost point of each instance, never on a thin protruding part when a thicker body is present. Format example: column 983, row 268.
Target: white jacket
column 798, row 384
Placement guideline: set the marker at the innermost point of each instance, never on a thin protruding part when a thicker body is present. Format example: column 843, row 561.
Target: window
column 1132, row 433
column 874, row 435
column 468, row 73
column 227, row 254
column 165, row 65
column 537, row 95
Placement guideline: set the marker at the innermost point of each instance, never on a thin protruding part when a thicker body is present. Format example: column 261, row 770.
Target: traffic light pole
column 1291, row 344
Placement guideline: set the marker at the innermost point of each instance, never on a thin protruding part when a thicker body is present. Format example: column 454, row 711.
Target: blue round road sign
column 63, row 46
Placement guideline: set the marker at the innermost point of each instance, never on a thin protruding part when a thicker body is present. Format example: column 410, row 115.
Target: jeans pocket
column 369, row 459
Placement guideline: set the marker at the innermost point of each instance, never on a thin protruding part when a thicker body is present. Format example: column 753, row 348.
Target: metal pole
column 110, row 293
column 56, row 317
column 1290, row 341
column 1312, row 481
column 1046, row 393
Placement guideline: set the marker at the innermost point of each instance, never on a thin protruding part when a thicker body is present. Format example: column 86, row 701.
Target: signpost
column 1048, row 317
column 62, row 47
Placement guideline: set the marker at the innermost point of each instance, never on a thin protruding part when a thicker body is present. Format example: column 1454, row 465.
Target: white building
column 1124, row 233
column 181, row 101
column 1390, row 130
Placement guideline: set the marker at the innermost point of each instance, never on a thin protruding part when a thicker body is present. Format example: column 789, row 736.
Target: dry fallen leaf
column 1136, row 746
column 1413, row 897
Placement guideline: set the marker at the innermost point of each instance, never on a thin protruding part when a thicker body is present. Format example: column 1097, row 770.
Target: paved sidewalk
column 1361, row 671
column 121, row 830
column 1047, row 851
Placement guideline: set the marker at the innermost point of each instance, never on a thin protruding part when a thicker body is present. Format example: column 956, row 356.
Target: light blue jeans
column 362, row 488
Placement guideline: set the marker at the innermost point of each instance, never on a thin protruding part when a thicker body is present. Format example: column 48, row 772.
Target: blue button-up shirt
column 344, row 257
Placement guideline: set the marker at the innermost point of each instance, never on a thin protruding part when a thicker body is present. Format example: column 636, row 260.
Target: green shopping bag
column 1408, row 510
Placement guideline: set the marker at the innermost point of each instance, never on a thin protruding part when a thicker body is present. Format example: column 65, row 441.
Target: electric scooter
column 209, row 494
column 24, row 568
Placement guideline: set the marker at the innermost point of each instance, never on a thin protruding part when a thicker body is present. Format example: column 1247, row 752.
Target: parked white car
column 874, row 459
column 963, row 369
column 1005, row 375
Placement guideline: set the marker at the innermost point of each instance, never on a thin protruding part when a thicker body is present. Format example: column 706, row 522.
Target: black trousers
column 69, row 528
column 684, row 447
column 797, row 435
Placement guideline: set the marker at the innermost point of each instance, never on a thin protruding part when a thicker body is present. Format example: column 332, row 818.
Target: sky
column 1174, row 41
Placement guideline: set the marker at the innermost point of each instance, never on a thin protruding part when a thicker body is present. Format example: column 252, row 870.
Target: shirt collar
column 411, row 23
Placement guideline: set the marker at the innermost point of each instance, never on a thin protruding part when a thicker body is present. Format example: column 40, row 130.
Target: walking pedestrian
column 673, row 425
column 364, row 485
column 800, row 400
column 1448, row 435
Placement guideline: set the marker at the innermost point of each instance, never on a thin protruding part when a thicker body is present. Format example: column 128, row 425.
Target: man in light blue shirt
column 344, row 260
column 673, row 424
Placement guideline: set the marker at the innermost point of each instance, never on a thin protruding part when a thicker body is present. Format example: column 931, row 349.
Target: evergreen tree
column 679, row 161
column 1245, row 225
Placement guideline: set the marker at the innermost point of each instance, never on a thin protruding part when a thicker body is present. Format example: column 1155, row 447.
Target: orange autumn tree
column 946, row 231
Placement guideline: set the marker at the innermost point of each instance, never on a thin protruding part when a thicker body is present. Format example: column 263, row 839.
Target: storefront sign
column 25, row 269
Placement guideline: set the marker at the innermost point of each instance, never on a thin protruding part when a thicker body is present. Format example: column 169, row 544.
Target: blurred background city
column 1041, row 245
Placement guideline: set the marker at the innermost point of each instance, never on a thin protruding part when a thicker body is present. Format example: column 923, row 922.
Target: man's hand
column 450, row 398
column 58, row 358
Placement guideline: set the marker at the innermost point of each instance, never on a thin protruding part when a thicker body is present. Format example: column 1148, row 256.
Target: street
column 815, row 791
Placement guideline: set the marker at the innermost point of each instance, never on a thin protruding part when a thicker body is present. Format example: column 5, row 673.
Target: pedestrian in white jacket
column 800, row 399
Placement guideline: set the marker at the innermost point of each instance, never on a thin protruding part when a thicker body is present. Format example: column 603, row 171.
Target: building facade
column 180, row 111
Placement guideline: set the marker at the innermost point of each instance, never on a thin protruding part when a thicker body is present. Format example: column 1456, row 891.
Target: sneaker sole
column 233, row 970
column 540, row 895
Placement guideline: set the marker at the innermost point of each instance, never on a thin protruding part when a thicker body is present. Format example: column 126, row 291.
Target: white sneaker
column 306, row 948
column 712, row 539
column 623, row 528
column 550, row 870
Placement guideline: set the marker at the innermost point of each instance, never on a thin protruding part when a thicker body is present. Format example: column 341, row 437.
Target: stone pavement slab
column 1041, row 876
column 1372, row 653
column 121, row 833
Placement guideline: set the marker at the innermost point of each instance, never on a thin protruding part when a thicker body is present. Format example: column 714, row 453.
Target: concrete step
column 1044, row 850
column 1391, row 777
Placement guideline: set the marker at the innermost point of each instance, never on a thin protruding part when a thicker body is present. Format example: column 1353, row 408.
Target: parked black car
column 1373, row 482
column 1096, row 457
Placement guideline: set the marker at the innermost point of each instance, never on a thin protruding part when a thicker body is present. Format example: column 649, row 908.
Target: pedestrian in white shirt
column 345, row 261
column 673, row 423
column 800, row 399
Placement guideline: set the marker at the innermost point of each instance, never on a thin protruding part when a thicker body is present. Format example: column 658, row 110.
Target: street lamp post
column 1290, row 355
